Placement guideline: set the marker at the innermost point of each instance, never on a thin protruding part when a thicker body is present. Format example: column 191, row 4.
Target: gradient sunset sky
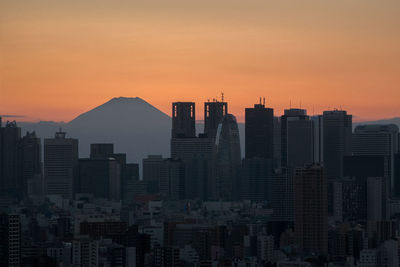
column 59, row 58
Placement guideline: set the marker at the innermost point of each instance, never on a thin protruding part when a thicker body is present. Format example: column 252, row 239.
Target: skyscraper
column 183, row 119
column 10, row 176
column 259, row 132
column 101, row 150
column 311, row 219
column 228, row 159
column 318, row 139
column 197, row 153
column 10, row 245
column 255, row 184
column 213, row 113
column 100, row 177
column 282, row 196
column 151, row 172
column 357, row 170
column 337, row 128
column 60, row 165
column 297, row 138
column 31, row 166
column 378, row 140
column 172, row 179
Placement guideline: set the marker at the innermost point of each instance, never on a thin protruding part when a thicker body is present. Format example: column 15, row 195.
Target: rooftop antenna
column 222, row 96
column 264, row 101
column 260, row 100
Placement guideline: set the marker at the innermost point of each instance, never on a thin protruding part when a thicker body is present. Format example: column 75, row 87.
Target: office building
column 318, row 138
column 199, row 157
column 10, row 176
column 282, row 196
column 101, row 150
column 60, row 165
column 151, row 172
column 172, row 179
column 197, row 153
column 259, row 132
column 277, row 156
column 228, row 159
column 361, row 175
column 30, row 157
column 296, row 138
column 256, row 179
column 183, row 120
column 310, row 207
column 213, row 113
column 377, row 140
column 337, row 129
column 100, row 177
column 10, row 245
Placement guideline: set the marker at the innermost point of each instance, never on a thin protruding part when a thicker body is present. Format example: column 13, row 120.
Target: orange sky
column 61, row 58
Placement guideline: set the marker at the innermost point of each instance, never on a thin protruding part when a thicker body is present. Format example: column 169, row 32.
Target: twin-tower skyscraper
column 213, row 158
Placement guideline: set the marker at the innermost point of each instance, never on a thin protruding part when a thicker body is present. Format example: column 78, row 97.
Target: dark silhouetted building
column 396, row 182
column 101, row 150
column 228, row 159
column 10, row 245
column 259, row 132
column 378, row 140
column 151, row 172
column 337, row 130
column 256, row 179
column 183, row 119
column 297, row 138
column 30, row 157
column 197, row 153
column 199, row 157
column 172, row 179
column 282, row 196
column 310, row 207
column 318, row 138
column 213, row 114
column 10, row 176
column 60, row 165
column 100, row 177
column 358, row 187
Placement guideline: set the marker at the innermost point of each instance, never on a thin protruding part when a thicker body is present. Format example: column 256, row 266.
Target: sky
column 61, row 58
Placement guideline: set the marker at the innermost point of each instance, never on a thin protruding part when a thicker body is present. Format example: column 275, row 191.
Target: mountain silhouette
column 134, row 127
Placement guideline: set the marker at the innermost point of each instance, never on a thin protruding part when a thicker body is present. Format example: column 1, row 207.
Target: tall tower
column 10, row 234
column 213, row 114
column 60, row 165
column 337, row 128
column 30, row 159
column 228, row 159
column 183, row 119
column 310, row 209
column 10, row 178
column 378, row 140
column 259, row 132
column 296, row 138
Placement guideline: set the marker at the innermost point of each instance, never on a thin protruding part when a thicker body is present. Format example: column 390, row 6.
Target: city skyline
column 60, row 58
column 199, row 110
